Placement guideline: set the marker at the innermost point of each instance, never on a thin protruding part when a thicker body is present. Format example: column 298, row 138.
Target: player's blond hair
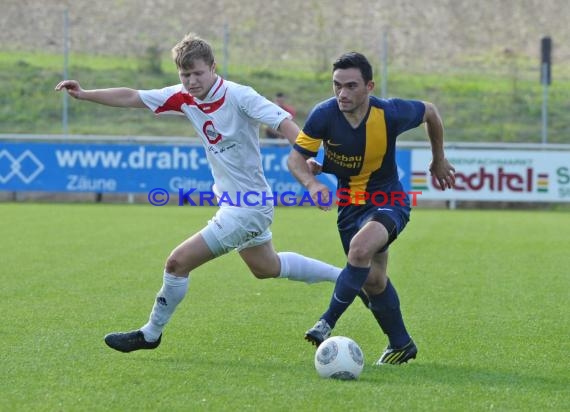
column 190, row 49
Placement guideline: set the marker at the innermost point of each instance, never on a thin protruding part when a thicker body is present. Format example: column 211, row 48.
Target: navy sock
column 386, row 310
column 348, row 284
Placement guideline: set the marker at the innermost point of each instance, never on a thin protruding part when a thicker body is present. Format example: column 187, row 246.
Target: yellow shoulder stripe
column 308, row 143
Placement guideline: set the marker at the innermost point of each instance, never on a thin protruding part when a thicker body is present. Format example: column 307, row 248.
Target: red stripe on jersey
column 212, row 107
column 175, row 102
column 218, row 88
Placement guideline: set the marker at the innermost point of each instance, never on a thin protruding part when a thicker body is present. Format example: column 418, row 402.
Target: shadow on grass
column 457, row 375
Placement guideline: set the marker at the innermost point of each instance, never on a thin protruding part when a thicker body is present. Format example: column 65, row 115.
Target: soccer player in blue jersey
column 359, row 134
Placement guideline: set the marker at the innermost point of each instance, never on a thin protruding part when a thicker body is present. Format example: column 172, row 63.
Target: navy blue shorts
column 393, row 218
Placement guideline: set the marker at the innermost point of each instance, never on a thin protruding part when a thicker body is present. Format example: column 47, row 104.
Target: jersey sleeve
column 167, row 100
column 259, row 108
column 407, row 114
column 311, row 137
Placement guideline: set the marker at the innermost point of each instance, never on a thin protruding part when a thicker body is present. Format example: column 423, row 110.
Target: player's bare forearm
column 440, row 167
column 289, row 129
column 116, row 97
column 434, row 128
column 297, row 164
column 300, row 169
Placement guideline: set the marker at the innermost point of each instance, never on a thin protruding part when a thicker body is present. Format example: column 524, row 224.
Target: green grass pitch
column 484, row 294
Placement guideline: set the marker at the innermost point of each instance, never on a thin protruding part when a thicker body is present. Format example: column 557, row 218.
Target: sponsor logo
column 211, row 133
column 25, row 167
column 489, row 179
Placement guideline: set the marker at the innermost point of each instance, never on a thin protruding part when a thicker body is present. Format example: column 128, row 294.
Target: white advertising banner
column 497, row 175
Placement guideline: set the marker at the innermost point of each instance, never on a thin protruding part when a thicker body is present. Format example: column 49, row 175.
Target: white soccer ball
column 339, row 357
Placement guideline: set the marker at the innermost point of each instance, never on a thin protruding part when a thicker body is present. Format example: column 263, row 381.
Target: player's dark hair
column 354, row 60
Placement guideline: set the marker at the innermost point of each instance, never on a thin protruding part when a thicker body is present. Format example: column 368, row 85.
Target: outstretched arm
column 117, row 97
column 439, row 166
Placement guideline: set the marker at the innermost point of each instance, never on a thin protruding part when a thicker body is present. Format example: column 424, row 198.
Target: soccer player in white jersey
column 227, row 117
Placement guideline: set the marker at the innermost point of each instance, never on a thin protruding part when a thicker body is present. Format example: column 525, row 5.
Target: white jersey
column 227, row 121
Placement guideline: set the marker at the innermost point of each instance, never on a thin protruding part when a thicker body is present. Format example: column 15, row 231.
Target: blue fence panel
column 135, row 168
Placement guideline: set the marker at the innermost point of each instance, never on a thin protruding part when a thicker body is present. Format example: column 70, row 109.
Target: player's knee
column 172, row 265
column 359, row 255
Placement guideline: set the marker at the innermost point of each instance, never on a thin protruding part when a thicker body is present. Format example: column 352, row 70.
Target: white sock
column 301, row 268
column 170, row 295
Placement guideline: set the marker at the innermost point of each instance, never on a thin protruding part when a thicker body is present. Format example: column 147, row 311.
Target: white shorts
column 237, row 228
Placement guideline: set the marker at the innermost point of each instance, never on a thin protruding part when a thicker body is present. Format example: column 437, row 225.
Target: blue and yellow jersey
column 362, row 158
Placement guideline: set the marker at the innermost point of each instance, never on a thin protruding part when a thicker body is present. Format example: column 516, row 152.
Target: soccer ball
column 339, row 357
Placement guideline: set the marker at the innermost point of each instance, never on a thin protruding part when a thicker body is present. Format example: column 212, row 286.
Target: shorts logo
column 251, row 235
column 217, row 223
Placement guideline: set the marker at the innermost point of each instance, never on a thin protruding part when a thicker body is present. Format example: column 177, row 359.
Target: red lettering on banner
column 494, row 181
column 529, row 180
